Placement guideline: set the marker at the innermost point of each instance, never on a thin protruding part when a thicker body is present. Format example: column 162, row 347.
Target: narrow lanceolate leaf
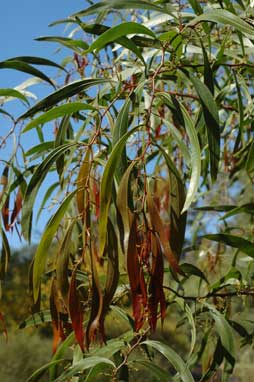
column 62, row 264
column 36, row 319
column 136, row 278
column 36, row 376
column 114, row 33
column 211, row 116
column 65, row 92
column 160, row 374
column 247, row 208
column 177, row 362
column 12, row 93
column 177, row 198
column 157, row 226
column 3, row 325
column 76, row 311
column 250, row 159
column 243, row 245
column 225, row 17
column 46, row 239
column 82, row 183
column 34, row 185
column 224, row 331
column 24, row 67
column 131, row 44
column 122, row 206
column 77, row 45
column 195, row 159
column 5, row 255
column 84, row 364
column 17, row 207
column 106, row 186
column 115, row 4
column 56, row 112
column 36, row 61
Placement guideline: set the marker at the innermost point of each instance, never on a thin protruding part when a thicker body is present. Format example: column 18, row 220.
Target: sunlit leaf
column 46, row 239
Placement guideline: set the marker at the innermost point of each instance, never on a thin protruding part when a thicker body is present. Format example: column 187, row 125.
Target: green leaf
column 211, row 116
column 116, row 4
column 195, row 159
column 65, row 92
column 77, row 45
column 36, row 319
column 13, row 93
column 250, row 159
column 5, row 255
column 160, row 374
column 62, row 348
column 243, row 245
column 56, row 112
column 84, row 364
column 178, row 363
column 195, row 152
column 114, row 33
column 218, row 208
column 47, row 237
column 34, row 185
column 223, row 329
column 185, row 307
column 223, row 16
column 247, row 208
column 106, row 186
column 26, row 68
column 38, row 373
column 36, row 61
column 233, row 273
column 191, row 269
column 122, row 205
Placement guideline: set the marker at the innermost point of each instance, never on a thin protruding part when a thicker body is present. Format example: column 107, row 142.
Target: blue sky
column 21, row 21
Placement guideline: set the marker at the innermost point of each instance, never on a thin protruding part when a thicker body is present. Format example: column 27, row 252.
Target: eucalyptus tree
column 147, row 130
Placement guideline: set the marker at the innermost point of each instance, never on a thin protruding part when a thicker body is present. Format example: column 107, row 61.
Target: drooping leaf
column 122, row 206
column 224, row 17
column 13, row 93
column 76, row 45
column 250, row 159
column 46, row 239
column 224, row 331
column 106, row 186
column 17, row 207
column 56, row 112
column 157, row 371
column 191, row 269
column 158, row 227
column 82, row 183
column 136, row 277
column 34, row 185
column 5, row 255
column 63, row 262
column 243, row 245
column 247, row 208
column 84, row 364
column 24, row 67
column 177, row 362
column 59, row 95
column 114, row 4
column 37, row 61
column 115, row 34
column 36, row 376
column 211, row 117
column 76, row 311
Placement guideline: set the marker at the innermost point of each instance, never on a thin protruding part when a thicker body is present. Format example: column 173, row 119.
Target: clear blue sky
column 21, row 21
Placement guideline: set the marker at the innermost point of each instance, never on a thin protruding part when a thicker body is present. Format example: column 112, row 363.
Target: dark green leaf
column 26, row 68
column 243, row 245
column 65, row 92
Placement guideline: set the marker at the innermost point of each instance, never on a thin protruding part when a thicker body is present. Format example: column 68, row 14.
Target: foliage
column 152, row 120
